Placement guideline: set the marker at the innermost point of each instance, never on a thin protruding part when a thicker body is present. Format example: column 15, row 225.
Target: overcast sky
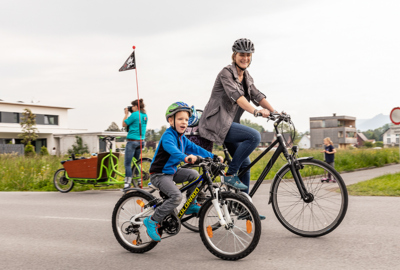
column 312, row 58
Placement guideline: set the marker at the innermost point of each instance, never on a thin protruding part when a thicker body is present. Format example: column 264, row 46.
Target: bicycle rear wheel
column 326, row 210
column 240, row 237
column 132, row 237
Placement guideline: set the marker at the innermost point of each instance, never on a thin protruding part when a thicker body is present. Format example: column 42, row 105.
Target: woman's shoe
column 234, row 181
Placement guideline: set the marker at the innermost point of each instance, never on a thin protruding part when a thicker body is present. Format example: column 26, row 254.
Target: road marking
column 74, row 218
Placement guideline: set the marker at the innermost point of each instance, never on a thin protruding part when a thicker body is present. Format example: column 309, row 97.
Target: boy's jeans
column 166, row 184
column 132, row 149
column 241, row 141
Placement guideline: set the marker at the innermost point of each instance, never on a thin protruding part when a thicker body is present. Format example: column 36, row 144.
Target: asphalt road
column 50, row 230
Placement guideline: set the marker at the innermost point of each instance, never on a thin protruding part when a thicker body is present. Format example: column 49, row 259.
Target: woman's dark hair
column 135, row 103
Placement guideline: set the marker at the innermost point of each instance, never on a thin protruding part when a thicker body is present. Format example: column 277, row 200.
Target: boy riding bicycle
column 173, row 148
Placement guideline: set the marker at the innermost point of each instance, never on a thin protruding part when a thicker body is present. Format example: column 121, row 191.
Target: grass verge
column 385, row 185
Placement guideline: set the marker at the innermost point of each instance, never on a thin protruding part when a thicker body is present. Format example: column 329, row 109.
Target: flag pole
column 140, row 124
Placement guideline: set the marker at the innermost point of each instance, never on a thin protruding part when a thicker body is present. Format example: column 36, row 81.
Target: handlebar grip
column 258, row 114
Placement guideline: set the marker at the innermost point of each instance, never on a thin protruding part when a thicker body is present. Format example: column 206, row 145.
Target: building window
column 388, row 140
column 350, row 134
column 340, row 134
column 9, row 117
column 51, row 120
column 340, row 123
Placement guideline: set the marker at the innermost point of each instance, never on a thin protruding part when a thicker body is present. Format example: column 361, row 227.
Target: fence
column 12, row 148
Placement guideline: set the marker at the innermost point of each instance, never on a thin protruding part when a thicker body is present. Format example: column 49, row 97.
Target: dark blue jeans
column 241, row 141
column 132, row 149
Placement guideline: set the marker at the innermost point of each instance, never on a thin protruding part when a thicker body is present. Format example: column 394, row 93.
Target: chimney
column 334, row 114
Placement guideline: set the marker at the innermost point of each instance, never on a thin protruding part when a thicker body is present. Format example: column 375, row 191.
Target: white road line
column 74, row 218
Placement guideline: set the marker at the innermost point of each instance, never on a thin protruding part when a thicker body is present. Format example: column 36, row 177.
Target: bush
column 368, row 144
column 43, row 151
column 30, row 150
column 378, row 144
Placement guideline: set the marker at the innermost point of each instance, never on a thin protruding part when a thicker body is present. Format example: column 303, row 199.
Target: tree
column 43, row 151
column 150, row 135
column 376, row 134
column 113, row 127
column 28, row 124
column 78, row 147
column 158, row 135
column 248, row 123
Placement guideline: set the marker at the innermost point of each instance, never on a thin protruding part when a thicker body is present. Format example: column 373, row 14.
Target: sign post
column 395, row 118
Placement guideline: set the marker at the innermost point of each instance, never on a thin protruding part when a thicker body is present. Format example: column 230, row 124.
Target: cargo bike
column 100, row 170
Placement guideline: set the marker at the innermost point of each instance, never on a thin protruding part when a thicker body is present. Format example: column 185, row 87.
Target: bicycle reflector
column 209, row 231
column 249, row 226
column 140, row 202
column 134, row 242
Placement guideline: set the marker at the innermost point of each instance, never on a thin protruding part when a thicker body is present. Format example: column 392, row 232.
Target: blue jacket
column 172, row 150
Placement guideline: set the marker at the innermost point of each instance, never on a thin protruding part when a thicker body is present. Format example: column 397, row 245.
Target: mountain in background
column 373, row 123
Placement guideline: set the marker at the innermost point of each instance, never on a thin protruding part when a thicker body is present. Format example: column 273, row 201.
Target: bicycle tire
column 244, row 216
column 61, row 183
column 125, row 208
column 319, row 217
column 144, row 164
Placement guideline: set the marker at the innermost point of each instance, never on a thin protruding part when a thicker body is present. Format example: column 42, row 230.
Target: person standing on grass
column 134, row 138
column 329, row 158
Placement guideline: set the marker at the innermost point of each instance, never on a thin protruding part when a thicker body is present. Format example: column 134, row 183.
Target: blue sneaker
column 234, row 181
column 247, row 216
column 152, row 229
column 194, row 208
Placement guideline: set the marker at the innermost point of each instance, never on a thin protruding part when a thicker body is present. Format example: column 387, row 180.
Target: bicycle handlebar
column 276, row 116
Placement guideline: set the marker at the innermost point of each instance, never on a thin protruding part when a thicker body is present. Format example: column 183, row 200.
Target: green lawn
column 386, row 185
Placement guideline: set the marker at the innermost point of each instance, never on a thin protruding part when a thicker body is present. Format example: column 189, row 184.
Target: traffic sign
column 395, row 116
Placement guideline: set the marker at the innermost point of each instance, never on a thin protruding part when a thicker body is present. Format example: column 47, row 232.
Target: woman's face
column 243, row 59
column 134, row 108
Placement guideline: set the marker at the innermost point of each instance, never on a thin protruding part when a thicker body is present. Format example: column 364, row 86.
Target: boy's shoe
column 332, row 181
column 152, row 229
column 234, row 181
column 194, row 208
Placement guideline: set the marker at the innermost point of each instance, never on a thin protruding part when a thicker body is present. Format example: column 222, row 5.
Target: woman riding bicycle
column 220, row 121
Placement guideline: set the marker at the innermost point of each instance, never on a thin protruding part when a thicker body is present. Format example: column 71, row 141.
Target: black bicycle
column 303, row 201
column 229, row 224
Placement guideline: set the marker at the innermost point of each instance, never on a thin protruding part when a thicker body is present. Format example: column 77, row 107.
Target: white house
column 52, row 125
column 305, row 142
column 391, row 136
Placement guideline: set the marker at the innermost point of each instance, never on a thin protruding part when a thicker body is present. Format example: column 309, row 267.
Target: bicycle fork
column 225, row 210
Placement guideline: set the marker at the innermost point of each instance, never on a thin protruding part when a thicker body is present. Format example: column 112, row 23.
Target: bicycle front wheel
column 132, row 237
column 240, row 237
column 61, row 182
column 327, row 207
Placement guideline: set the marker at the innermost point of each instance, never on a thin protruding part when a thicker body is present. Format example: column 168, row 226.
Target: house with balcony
column 52, row 125
column 341, row 130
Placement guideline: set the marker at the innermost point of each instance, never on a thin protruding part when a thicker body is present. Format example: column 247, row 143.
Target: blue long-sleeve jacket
column 172, row 150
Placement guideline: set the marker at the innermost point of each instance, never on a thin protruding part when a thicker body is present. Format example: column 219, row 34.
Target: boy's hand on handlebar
column 192, row 158
column 221, row 159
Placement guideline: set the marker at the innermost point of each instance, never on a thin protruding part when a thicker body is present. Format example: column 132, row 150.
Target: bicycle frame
column 200, row 182
column 292, row 161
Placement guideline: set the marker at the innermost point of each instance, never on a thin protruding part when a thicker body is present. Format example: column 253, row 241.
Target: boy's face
column 181, row 121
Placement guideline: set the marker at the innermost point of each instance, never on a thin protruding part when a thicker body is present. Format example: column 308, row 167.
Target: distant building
column 305, row 142
column 391, row 136
column 269, row 137
column 52, row 125
column 341, row 130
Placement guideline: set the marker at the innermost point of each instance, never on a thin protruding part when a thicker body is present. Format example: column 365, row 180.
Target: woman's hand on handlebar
column 264, row 113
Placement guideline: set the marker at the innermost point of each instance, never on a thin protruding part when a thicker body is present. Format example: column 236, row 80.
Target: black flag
column 130, row 63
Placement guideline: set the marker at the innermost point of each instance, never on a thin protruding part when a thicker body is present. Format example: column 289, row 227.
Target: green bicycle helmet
column 177, row 107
